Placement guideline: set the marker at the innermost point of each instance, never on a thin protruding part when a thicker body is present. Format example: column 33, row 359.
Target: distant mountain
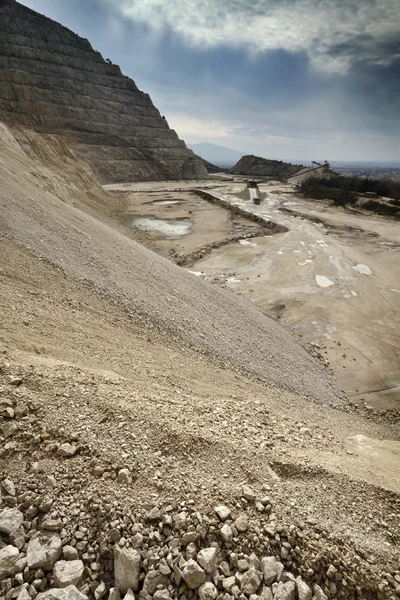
column 263, row 167
column 218, row 155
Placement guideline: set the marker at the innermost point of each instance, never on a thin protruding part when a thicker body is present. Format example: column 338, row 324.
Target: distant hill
column 263, row 167
column 218, row 155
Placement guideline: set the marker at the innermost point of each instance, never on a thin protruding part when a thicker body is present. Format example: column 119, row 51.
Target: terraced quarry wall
column 52, row 81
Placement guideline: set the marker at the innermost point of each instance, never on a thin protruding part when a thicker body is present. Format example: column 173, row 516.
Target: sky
column 286, row 79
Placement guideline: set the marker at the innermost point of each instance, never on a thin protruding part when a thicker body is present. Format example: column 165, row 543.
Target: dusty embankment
column 116, row 438
column 151, row 288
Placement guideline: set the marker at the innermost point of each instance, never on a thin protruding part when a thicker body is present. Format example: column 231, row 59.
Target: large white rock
column 126, row 569
column 207, row 558
column 193, row 574
column 43, row 551
column 10, row 520
column 68, row 572
column 8, row 561
column 68, row 593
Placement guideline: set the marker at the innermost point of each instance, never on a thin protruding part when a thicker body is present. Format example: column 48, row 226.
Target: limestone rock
column 9, row 429
column 124, row 476
column 242, row 523
column 8, row 486
column 66, row 450
column 303, row 590
column 101, row 591
column 318, row 593
column 126, row 568
column 266, row 594
column 207, row 558
column 208, row 591
column 70, row 553
column 10, row 520
column 270, row 568
column 226, row 533
column 43, row 551
column 68, row 572
column 68, row 593
column 223, row 512
column 152, row 580
column 248, row 493
column 161, row 595
column 8, row 561
column 285, row 591
column 251, row 581
column 193, row 574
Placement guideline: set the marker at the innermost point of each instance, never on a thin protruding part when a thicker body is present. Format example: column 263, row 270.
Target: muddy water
column 172, row 230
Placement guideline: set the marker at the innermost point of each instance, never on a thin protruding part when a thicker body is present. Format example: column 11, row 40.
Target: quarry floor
column 333, row 278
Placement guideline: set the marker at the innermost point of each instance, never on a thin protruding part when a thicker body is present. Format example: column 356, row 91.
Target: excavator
column 254, row 191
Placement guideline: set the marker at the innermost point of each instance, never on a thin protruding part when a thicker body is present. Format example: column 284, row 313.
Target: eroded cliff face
column 52, row 81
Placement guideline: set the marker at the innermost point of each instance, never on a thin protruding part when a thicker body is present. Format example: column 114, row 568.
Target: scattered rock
column 68, row 572
column 8, row 561
column 193, row 574
column 10, row 520
column 9, row 428
column 208, row 591
column 127, row 563
column 13, row 380
column 242, row 523
column 70, row 553
column 251, row 581
column 285, row 591
column 68, row 593
column 303, row 590
column 43, row 551
column 223, row 512
column 124, row 476
column 66, row 450
column 226, row 533
column 8, row 486
column 248, row 493
column 207, row 558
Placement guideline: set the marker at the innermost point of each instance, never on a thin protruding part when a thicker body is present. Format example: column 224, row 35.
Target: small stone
column 13, row 380
column 9, row 412
column 101, row 591
column 303, row 590
column 9, row 557
column 43, row 551
column 124, row 476
column 269, row 568
column 66, row 450
column 154, row 515
column 331, row 572
column 23, row 594
column 223, row 512
column 208, row 591
column 8, row 487
column 161, row 595
column 242, row 523
column 193, row 574
column 318, row 593
column 251, row 581
column 207, row 558
column 52, row 524
column 285, row 591
column 248, row 493
column 127, row 563
column 114, row 535
column 70, row 553
column 10, row 520
column 226, row 533
column 266, row 594
column 9, row 428
column 68, row 572
column 68, row 593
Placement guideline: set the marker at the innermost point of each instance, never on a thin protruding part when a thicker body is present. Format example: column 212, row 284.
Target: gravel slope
column 152, row 289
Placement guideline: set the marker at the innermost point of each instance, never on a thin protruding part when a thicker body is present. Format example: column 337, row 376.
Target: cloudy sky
column 288, row 79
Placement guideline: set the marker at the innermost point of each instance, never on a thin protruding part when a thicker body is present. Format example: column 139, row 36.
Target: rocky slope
column 262, row 167
column 52, row 81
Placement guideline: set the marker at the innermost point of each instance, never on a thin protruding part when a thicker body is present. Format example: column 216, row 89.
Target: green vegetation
column 344, row 189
